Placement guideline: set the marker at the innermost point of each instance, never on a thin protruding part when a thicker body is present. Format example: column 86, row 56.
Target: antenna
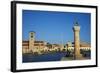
column 61, row 38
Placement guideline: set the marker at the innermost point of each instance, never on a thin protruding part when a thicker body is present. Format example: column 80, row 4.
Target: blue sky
column 55, row 27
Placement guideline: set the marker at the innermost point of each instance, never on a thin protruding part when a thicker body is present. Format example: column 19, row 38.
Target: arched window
column 31, row 35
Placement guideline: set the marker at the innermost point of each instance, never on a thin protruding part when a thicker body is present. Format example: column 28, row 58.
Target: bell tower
column 31, row 40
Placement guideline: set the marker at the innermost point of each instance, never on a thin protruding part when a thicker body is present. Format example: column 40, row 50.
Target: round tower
column 76, row 30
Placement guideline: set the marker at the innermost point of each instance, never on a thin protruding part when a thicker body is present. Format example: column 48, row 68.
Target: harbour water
column 44, row 57
column 55, row 56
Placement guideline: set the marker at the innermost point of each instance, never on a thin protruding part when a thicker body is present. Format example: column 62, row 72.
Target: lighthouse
column 76, row 30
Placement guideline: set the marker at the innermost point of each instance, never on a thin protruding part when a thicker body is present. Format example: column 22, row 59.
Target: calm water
column 44, row 57
column 57, row 56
